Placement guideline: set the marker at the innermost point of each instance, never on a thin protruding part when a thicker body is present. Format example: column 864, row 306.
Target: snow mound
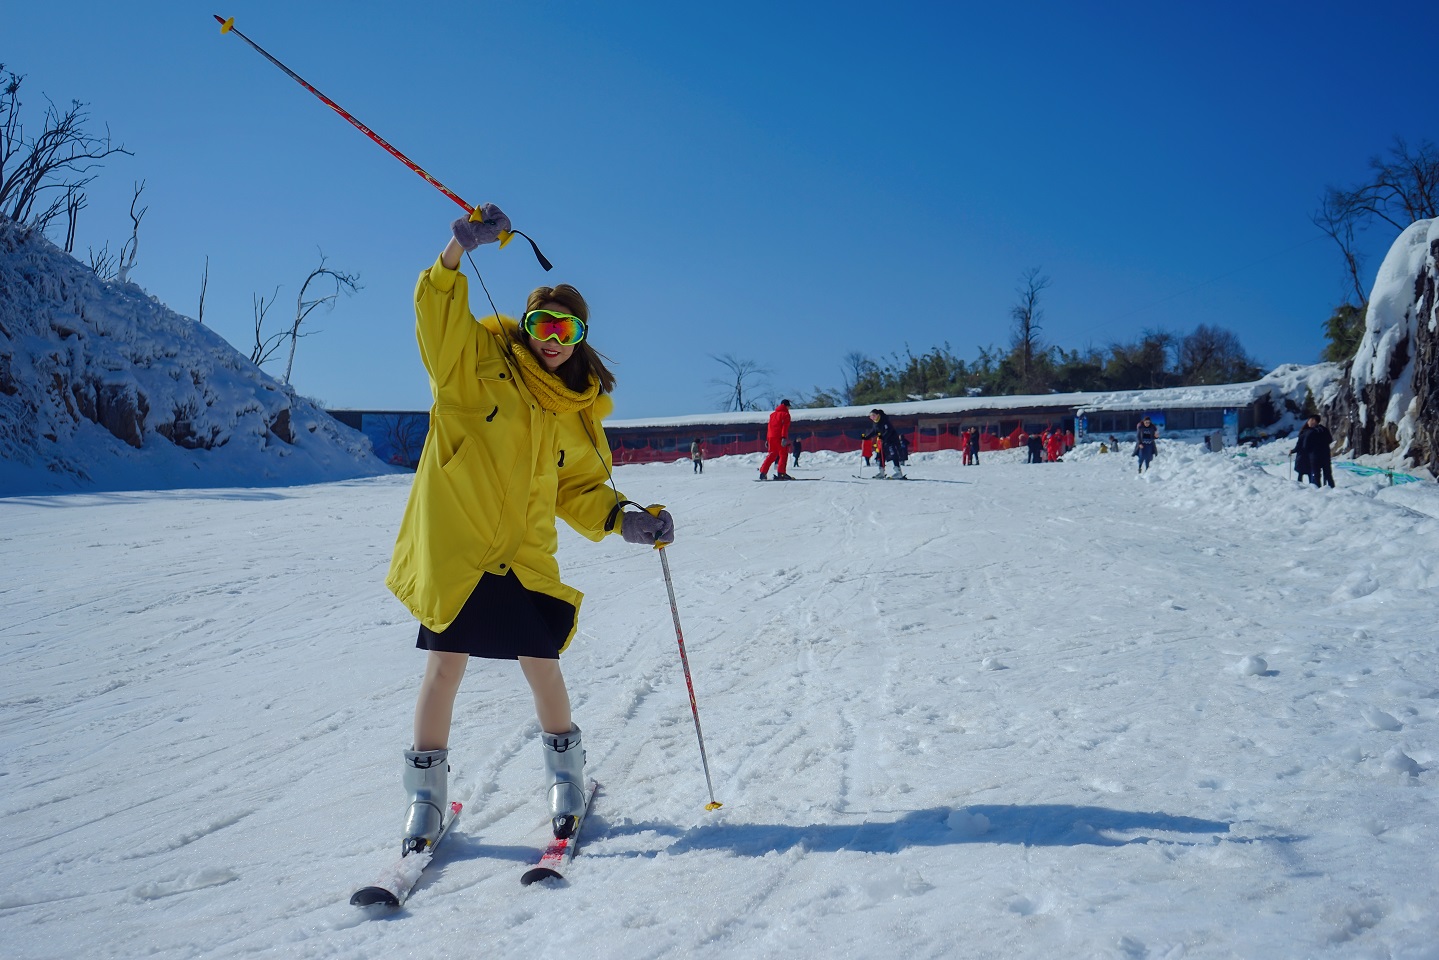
column 102, row 387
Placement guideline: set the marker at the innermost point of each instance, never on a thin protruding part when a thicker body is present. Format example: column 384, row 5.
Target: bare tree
column 853, row 368
column 739, row 385
column 131, row 247
column 341, row 282
column 103, row 262
column 1403, row 188
column 1213, row 355
column 1027, row 313
column 74, row 203
column 1338, row 218
column 204, row 283
column 57, row 159
column 265, row 347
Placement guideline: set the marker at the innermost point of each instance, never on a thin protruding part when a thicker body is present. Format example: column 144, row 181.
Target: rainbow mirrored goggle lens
column 559, row 327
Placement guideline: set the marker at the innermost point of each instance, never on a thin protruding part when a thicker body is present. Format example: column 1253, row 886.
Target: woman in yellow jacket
column 515, row 442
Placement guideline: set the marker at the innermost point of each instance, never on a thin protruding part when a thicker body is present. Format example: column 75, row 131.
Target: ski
column 561, row 850
column 393, row 887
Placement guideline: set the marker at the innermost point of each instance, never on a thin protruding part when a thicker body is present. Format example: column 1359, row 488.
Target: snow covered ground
column 1003, row 711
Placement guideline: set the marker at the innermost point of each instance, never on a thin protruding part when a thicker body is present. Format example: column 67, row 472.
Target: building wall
column 398, row 435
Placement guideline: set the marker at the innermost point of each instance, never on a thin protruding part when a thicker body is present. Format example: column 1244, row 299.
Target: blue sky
column 785, row 183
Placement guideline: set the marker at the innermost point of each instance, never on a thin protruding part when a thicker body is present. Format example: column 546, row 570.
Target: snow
column 1017, row 711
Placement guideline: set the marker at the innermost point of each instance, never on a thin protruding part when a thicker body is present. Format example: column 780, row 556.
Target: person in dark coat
column 1035, row 444
column 888, row 440
column 1146, row 443
column 1312, row 451
column 974, row 446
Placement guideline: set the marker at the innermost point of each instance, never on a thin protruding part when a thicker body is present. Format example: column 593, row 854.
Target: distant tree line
column 1157, row 358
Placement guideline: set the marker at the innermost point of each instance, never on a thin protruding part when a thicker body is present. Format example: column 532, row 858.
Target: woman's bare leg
column 436, row 704
column 552, row 700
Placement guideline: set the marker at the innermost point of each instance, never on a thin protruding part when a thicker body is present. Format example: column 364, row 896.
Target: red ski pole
column 228, row 26
column 685, row 663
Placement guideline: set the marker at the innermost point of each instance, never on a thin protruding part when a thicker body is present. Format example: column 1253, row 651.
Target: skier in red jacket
column 778, row 438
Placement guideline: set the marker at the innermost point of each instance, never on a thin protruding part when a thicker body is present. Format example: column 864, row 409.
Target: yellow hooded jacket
column 497, row 468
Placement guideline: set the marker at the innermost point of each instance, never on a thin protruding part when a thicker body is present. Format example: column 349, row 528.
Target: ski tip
column 538, row 874
column 374, row 897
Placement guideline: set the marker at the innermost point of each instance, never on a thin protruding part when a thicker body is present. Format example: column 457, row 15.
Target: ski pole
column 228, row 26
column 685, row 662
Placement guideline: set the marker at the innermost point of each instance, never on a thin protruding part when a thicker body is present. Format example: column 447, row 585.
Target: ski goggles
column 564, row 329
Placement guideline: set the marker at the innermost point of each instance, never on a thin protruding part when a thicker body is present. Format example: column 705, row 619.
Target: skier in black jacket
column 893, row 445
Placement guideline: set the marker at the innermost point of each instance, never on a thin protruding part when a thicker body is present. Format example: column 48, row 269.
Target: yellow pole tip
column 228, row 25
column 713, row 805
column 505, row 237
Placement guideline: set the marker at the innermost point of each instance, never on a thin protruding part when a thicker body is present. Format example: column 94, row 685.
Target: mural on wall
column 398, row 438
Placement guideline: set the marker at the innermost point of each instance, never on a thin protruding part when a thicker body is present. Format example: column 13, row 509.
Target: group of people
column 1048, row 446
column 881, row 441
column 969, row 445
column 1312, row 459
column 475, row 554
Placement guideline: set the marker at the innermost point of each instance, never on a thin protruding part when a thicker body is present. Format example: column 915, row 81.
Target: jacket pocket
column 453, row 465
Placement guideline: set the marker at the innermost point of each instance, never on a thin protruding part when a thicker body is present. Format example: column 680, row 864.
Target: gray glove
column 646, row 528
column 472, row 233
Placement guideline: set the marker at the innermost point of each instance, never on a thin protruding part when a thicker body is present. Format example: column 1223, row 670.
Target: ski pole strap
column 616, row 510
column 536, row 248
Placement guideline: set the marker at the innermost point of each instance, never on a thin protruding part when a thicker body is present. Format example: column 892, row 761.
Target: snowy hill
column 1005, row 711
column 105, row 388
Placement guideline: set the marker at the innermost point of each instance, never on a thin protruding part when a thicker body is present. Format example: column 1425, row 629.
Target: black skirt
column 502, row 620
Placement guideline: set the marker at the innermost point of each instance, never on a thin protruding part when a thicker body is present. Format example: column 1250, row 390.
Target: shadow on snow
column 1037, row 825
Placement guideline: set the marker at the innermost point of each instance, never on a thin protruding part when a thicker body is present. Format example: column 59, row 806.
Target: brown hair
column 586, row 363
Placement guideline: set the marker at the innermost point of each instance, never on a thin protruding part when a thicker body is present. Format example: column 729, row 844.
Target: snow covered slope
column 105, row 388
column 1003, row 711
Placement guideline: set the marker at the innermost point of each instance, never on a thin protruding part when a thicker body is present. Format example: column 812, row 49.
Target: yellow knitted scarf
column 547, row 388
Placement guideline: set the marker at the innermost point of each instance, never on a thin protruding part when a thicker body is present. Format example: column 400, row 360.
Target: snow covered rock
column 102, row 387
column 1390, row 402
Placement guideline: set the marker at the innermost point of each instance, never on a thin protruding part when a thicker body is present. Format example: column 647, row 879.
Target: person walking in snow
column 777, row 437
column 515, row 442
column 889, row 442
column 697, row 455
column 1146, row 443
column 1035, row 443
column 1312, row 451
column 798, row 449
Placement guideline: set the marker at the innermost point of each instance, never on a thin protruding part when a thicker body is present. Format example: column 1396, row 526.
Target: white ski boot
column 427, row 783
column 565, row 768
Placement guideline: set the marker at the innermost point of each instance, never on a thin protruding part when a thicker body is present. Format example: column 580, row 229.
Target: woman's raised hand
column 485, row 225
